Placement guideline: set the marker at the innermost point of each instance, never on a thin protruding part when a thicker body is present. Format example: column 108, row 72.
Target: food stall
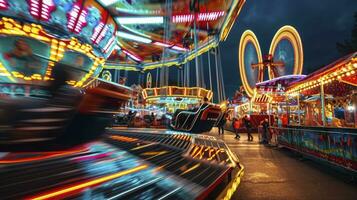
column 325, row 126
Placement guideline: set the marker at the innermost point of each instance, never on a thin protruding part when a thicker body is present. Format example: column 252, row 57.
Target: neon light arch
column 291, row 34
column 248, row 37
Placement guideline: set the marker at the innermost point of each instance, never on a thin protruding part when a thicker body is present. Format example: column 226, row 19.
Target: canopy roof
column 147, row 27
column 133, row 33
column 337, row 78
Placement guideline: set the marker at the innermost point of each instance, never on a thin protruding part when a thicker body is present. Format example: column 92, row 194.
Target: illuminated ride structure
column 92, row 39
column 312, row 114
column 285, row 57
column 283, row 63
column 173, row 97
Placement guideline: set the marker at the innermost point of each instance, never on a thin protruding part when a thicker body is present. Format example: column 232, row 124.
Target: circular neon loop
column 288, row 33
column 248, row 37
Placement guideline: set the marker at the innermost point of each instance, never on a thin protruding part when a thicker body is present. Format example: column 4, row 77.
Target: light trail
column 84, row 185
column 46, row 155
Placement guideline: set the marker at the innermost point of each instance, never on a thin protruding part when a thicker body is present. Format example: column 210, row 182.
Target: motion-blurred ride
column 197, row 121
column 68, row 116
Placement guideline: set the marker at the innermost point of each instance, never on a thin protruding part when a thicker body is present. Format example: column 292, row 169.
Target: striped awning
column 262, row 98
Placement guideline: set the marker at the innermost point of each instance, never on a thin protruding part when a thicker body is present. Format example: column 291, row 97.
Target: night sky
column 321, row 24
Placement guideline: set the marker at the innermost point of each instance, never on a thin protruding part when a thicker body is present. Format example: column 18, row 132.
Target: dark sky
column 321, row 24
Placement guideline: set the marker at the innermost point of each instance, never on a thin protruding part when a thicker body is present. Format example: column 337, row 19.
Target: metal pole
column 209, row 70
column 298, row 108
column 178, row 76
column 217, row 77
column 198, row 81
column 221, row 75
column 188, row 74
column 157, row 77
column 322, row 96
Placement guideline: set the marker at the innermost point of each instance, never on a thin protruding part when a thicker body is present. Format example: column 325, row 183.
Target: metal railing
column 337, row 146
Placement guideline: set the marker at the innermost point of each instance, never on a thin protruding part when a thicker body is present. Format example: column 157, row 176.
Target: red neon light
column 4, row 5
column 206, row 16
column 76, row 19
column 96, row 33
column 101, row 34
column 41, row 9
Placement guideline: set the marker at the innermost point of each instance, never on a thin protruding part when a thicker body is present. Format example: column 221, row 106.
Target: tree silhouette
column 349, row 46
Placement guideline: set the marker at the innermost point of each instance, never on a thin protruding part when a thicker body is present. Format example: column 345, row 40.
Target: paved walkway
column 275, row 173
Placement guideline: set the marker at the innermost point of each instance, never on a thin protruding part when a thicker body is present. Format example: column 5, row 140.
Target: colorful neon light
column 43, row 156
column 248, row 37
column 41, row 9
column 134, row 57
column 77, row 19
column 179, row 48
column 162, row 44
column 97, row 30
column 82, row 186
column 3, row 4
column 201, row 17
column 291, row 34
column 107, row 2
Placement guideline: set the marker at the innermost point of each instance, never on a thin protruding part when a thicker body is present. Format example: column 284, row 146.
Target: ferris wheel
column 285, row 57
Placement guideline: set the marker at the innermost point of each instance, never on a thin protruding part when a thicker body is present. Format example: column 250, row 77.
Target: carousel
column 100, row 44
column 173, row 97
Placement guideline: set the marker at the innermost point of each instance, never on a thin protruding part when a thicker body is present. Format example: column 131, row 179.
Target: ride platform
column 126, row 163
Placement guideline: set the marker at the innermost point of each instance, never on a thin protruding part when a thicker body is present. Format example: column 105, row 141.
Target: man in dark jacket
column 248, row 126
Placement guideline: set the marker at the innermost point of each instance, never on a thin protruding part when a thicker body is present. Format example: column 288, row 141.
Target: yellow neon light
column 228, row 23
column 11, row 27
column 291, row 34
column 248, row 36
column 88, row 184
column 123, row 138
column 190, row 169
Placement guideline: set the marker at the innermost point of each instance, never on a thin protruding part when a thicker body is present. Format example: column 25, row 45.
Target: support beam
column 322, row 96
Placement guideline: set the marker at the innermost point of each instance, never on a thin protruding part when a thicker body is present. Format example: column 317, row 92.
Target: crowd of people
column 246, row 125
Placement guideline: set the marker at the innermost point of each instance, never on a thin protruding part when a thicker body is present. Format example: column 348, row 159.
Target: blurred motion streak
column 75, row 188
column 190, row 169
column 123, row 138
column 43, row 155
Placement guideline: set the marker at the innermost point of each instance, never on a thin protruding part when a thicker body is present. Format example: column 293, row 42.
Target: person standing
column 236, row 128
column 248, row 126
column 265, row 124
column 221, row 124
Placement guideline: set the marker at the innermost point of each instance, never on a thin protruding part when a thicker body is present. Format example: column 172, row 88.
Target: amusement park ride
column 52, row 55
column 61, row 85
column 285, row 57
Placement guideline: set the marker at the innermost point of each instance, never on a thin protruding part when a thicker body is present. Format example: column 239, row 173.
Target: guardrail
column 336, row 146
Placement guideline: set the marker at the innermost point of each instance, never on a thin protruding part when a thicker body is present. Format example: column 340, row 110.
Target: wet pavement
column 276, row 173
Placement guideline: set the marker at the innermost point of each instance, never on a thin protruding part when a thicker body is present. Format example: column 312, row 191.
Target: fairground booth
column 322, row 114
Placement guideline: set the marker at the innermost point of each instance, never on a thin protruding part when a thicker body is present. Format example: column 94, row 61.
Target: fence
column 335, row 145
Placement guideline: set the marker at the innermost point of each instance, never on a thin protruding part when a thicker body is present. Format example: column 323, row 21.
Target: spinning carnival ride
column 285, row 57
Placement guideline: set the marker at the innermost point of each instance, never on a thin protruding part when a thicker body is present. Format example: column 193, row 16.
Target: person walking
column 221, row 124
column 248, row 126
column 236, row 128
column 265, row 125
